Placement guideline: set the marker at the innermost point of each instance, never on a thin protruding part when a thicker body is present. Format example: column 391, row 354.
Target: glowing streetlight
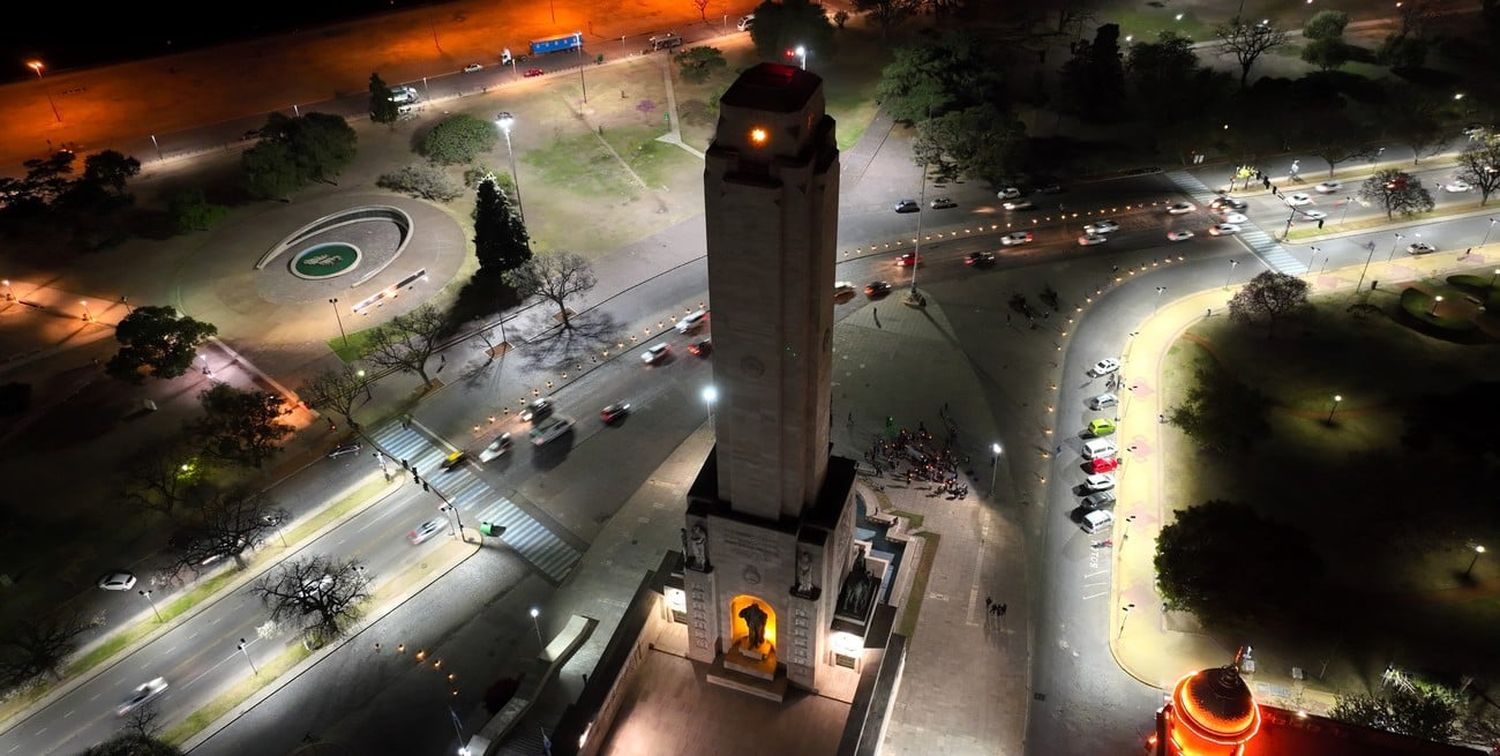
column 37, row 66
column 1232, row 265
column 505, row 121
column 802, row 53
column 1477, row 551
column 340, row 318
column 535, row 612
column 995, row 452
column 710, row 396
column 147, row 596
column 87, row 316
column 1437, row 300
column 1335, row 408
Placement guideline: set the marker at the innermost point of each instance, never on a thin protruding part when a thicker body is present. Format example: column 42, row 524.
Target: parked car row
column 1096, row 493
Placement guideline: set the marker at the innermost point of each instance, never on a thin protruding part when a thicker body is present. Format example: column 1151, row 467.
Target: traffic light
column 405, row 465
column 425, row 486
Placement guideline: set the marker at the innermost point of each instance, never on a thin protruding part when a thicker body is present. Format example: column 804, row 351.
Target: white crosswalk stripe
column 1262, row 244
column 550, row 554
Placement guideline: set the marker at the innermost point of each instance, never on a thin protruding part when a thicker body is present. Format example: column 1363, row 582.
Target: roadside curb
column 367, row 622
column 227, row 590
column 1398, row 225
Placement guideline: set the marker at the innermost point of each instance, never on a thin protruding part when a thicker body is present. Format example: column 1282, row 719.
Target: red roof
column 1284, row 733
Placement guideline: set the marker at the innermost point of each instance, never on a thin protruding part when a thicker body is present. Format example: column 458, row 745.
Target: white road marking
column 68, row 714
column 1097, row 595
column 172, row 650
column 95, row 697
column 13, row 748
column 194, row 635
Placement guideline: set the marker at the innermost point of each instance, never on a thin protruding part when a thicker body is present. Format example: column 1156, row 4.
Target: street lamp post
column 147, row 595
column 536, row 624
column 9, row 295
column 1125, row 615
column 581, row 82
column 1160, row 290
column 364, row 382
column 245, row 649
column 506, row 121
column 446, row 507
column 37, row 65
column 995, row 452
column 1335, row 408
column 1477, row 551
column 1311, row 255
column 1369, row 245
column 87, row 316
column 340, row 318
column 1437, row 300
column 802, row 53
column 1232, row 265
column 1397, row 236
column 916, row 252
column 1125, row 533
column 710, row 395
column 1348, row 200
column 1487, row 231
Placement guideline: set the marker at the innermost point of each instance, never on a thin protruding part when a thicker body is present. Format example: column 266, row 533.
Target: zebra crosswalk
column 475, row 499
column 1262, row 244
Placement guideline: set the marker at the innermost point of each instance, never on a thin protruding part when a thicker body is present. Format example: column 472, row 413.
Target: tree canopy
column 383, row 107
column 783, row 26
column 1397, row 192
column 980, row 142
column 1247, row 42
column 500, row 239
column 459, row 139
column 698, row 63
column 1094, row 78
column 295, row 151
column 1225, row 562
column 1270, row 296
column 936, row 75
column 1220, row 413
column 556, row 277
column 1415, row 708
column 242, row 426
column 157, row 341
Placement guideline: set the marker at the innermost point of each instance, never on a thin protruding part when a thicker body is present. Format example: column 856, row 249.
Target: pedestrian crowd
column 919, row 456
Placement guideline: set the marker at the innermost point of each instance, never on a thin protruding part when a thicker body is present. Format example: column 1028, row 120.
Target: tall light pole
column 9, row 295
column 912, row 297
column 1232, row 265
column 245, row 649
column 1477, row 551
column 37, row 65
column 1493, row 276
column 1487, row 231
column 1370, row 245
column 1312, row 255
column 538, row 625
column 1335, row 408
column 581, row 82
column 87, row 316
column 1124, row 615
column 1437, row 300
column 1397, row 236
column 360, row 373
column 1160, row 290
column 340, row 318
column 506, row 121
column 995, row 452
column 447, row 507
column 147, row 595
column 802, row 53
column 710, row 395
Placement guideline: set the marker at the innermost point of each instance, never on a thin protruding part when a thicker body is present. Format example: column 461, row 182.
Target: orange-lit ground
column 130, row 101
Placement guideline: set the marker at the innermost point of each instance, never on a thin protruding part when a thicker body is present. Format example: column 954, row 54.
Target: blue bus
column 557, row 44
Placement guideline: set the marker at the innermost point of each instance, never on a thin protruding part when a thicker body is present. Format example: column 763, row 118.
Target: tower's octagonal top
column 773, row 88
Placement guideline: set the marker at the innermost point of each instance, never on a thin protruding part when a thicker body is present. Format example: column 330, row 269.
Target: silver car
column 425, row 531
column 141, row 695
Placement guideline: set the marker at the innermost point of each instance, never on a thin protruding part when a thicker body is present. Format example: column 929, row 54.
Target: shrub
column 421, row 181
column 190, row 210
column 458, row 139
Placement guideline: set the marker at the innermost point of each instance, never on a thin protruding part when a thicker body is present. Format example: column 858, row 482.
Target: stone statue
column 755, row 619
column 859, row 588
column 804, row 573
column 696, row 547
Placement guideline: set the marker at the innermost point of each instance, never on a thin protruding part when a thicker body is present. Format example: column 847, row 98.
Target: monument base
column 758, row 678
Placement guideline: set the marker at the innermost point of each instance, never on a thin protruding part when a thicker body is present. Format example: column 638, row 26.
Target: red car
column 1101, row 464
column 907, row 260
column 530, row 72
column 614, row 412
column 701, row 347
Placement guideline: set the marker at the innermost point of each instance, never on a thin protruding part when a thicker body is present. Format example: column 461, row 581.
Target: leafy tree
column 39, row 647
column 190, row 210
column 981, row 142
column 224, row 524
column 159, row 477
column 383, row 108
column 1171, row 90
column 888, row 13
column 1095, row 76
column 271, row 170
column 408, row 341
column 1479, row 165
column 1336, row 137
column 698, row 63
column 840, row 17
column 423, row 181
column 1326, row 54
column 1397, row 192
column 500, row 239
column 1326, row 25
column 242, row 426
column 295, row 151
column 1221, row 413
column 110, row 170
column 157, row 341
column 322, row 595
column 101, row 188
column 1420, row 709
column 1270, row 296
column 458, row 139
column 1222, row 561
column 338, row 390
column 132, row 744
column 1247, row 42
column 1410, row 115
column 782, row 26
column 559, row 276
column 937, row 75
column 1416, row 17
column 1400, row 51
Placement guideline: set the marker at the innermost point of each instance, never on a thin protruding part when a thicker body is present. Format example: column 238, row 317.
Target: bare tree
column 888, row 13
column 337, row 390
column 130, row 743
column 321, row 595
column 242, row 426
column 409, row 341
column 39, row 647
column 1271, row 296
column 1480, row 167
column 1247, row 42
column 226, row 524
column 144, row 721
column 702, row 6
column 555, row 277
column 1397, row 192
column 159, row 477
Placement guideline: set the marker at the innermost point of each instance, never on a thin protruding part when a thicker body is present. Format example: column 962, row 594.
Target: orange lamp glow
column 758, row 137
column 741, row 630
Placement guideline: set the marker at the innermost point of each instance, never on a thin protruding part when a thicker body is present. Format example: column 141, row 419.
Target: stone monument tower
column 770, row 517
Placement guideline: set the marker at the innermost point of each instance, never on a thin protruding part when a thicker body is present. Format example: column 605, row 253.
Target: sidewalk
column 1152, row 645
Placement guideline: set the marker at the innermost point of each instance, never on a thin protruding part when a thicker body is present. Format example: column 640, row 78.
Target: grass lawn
column 1393, row 522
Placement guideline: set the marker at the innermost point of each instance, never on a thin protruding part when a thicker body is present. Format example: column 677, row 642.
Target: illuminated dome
column 1217, row 707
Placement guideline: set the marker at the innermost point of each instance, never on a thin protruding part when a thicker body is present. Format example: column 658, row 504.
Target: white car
column 552, row 429
column 1296, row 199
column 141, row 695
column 1313, row 215
column 1089, row 240
column 1177, row 236
column 1420, row 248
column 473, row 68
column 1101, row 227
column 942, row 203
column 1099, row 482
column 1233, row 217
column 1457, row 185
column 844, row 289
column 1103, row 401
column 1223, row 201
column 692, row 321
column 1018, row 204
column 496, row 449
column 1180, row 208
column 1016, row 237
column 656, row 353
column 1224, row 229
column 426, row 530
column 1009, row 192
column 117, row 581
column 1328, row 187
column 1104, row 367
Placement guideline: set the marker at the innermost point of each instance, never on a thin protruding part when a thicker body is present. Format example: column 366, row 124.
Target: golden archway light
column 759, row 136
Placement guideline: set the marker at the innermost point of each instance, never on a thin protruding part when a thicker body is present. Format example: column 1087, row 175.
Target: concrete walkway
column 1151, row 644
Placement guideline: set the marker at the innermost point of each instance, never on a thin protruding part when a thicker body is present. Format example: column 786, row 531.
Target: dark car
column 614, row 412
column 979, row 259
column 344, row 450
column 877, row 289
column 908, row 206
column 702, row 347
